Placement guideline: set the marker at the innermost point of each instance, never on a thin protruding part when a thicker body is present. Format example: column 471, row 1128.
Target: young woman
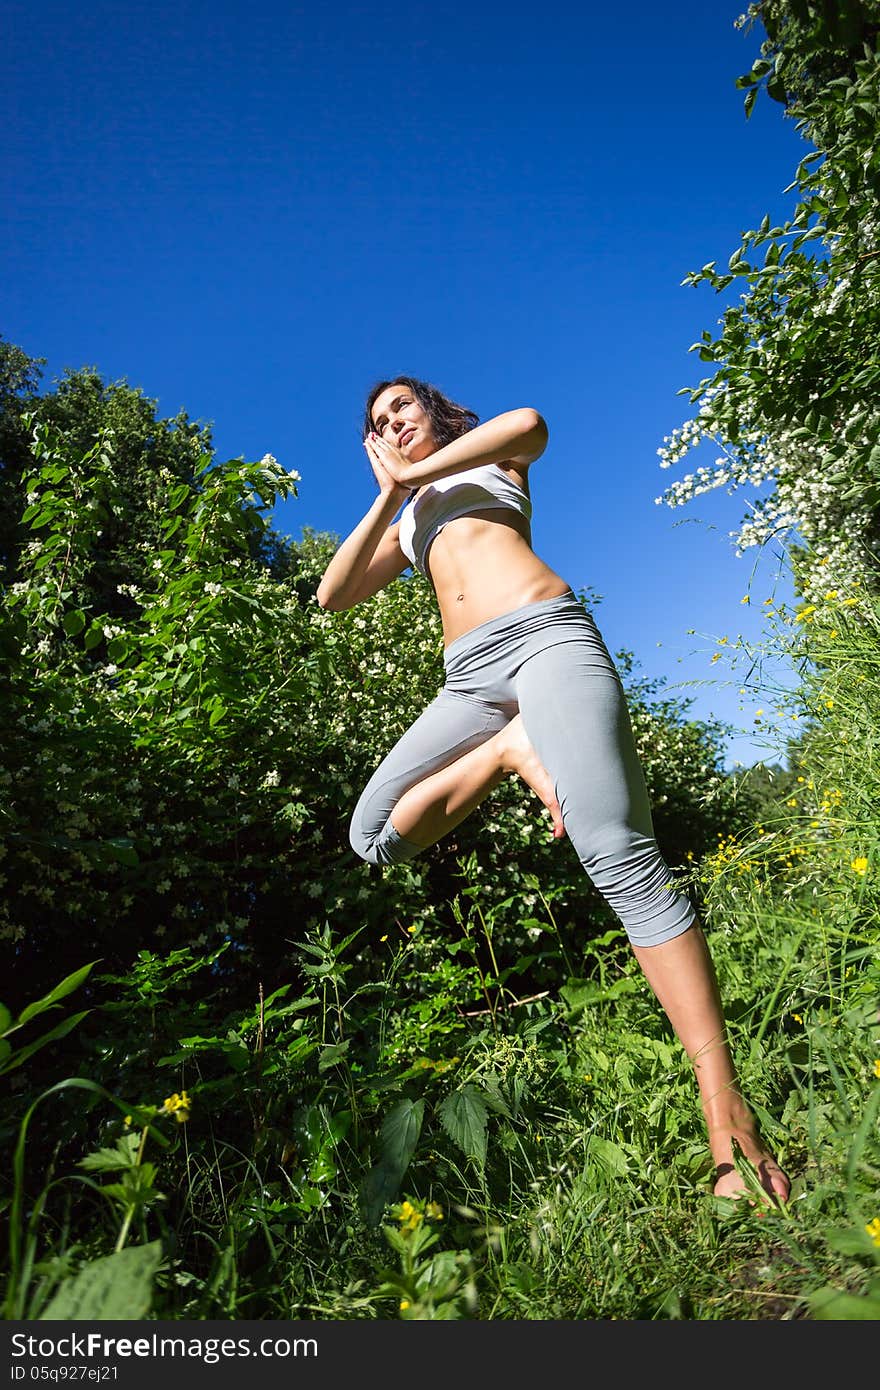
column 530, row 689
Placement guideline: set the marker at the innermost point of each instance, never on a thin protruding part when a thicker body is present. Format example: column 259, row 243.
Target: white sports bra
column 471, row 490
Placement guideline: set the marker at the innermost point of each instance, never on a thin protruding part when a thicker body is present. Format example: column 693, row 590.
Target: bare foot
column 739, row 1151
column 521, row 758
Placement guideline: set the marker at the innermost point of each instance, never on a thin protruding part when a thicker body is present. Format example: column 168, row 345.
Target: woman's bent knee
column 388, row 847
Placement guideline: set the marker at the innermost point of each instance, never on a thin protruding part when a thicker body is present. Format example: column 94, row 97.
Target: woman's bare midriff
column 482, row 565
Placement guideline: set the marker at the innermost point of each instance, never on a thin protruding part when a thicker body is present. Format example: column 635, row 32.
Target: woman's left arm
column 518, row 437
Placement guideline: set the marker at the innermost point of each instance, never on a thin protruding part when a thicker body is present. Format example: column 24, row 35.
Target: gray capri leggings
column 548, row 662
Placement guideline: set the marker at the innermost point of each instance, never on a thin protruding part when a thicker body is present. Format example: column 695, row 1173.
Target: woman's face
column 398, row 417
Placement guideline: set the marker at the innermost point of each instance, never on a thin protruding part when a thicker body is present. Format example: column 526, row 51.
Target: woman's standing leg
column 682, row 975
column 574, row 715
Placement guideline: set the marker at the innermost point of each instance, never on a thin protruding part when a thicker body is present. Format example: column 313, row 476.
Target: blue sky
column 253, row 212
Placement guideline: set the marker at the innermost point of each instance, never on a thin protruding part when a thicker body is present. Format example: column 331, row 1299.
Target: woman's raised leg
column 446, row 763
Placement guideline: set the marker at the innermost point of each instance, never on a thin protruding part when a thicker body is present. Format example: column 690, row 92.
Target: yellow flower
column 412, row 929
column 806, row 614
column 127, row 1121
column 746, row 599
column 435, row 1211
column 860, row 865
column 404, row 1304
column 877, row 1067
column 179, row 1106
column 873, row 1230
column 383, row 938
column 408, row 1216
column 716, row 657
column 797, row 1018
column 832, row 593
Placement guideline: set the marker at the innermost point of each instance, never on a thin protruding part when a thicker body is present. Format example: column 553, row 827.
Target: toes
column 773, row 1179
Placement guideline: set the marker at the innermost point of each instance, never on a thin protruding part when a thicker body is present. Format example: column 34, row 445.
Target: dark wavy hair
column 448, row 419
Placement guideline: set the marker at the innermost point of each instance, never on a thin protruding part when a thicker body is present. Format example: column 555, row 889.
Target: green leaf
column 117, row 1287
column 65, row 987
column 93, row 637
column 123, row 851
column 21, row 1054
column 608, row 1158
column 578, row 994
column 400, row 1132
column 464, row 1114
column 850, row 1242
column 831, row 1305
column 5, row 1019
column 117, row 649
column 218, row 712
column 124, row 1155
column 399, row 1136
column 73, row 623
column 332, row 1054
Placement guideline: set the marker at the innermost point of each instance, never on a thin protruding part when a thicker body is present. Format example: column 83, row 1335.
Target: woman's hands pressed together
column 387, row 461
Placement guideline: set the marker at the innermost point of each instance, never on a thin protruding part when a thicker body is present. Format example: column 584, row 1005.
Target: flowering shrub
column 790, row 407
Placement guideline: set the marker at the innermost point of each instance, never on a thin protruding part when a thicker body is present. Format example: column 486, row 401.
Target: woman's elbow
column 533, row 431
column 329, row 600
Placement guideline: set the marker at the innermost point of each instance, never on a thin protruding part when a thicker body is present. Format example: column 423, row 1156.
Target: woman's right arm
column 368, row 559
